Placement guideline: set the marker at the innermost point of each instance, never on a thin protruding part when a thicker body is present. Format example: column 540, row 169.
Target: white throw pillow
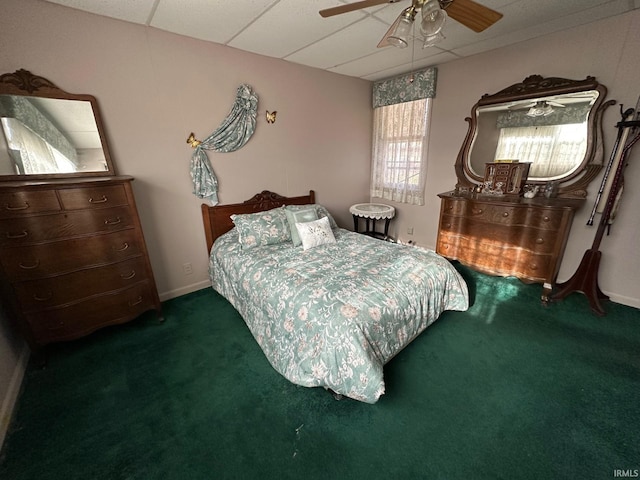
column 315, row 233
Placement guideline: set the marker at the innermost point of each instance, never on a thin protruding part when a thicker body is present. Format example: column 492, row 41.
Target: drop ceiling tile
column 215, row 21
column 359, row 40
column 280, row 31
column 135, row 12
column 375, row 67
column 550, row 24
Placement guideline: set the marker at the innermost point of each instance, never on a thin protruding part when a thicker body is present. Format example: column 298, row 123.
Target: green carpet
column 507, row 390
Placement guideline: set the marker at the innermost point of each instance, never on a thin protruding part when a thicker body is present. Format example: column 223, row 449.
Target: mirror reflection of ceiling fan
column 545, row 107
column 433, row 14
column 541, row 108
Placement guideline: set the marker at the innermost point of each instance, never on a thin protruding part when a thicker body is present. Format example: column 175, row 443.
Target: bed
column 331, row 311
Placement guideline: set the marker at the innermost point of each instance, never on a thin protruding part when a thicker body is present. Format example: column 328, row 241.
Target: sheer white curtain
column 551, row 150
column 399, row 166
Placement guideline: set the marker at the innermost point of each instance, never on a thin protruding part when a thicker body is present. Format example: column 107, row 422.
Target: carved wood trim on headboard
column 217, row 220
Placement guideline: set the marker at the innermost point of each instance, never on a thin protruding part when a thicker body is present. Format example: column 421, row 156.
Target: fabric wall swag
column 234, row 132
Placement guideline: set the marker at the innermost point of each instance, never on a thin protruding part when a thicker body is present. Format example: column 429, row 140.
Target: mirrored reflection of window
column 68, row 128
column 30, row 153
column 551, row 150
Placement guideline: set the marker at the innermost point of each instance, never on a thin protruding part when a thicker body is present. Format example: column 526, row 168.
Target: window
column 399, row 151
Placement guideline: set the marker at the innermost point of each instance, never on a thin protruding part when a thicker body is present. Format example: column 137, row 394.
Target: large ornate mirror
column 46, row 132
column 554, row 124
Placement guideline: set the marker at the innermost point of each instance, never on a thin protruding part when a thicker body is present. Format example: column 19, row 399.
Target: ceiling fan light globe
column 397, row 42
column 400, row 36
column 432, row 22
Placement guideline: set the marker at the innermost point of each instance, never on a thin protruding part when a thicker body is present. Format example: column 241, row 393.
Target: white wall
column 607, row 50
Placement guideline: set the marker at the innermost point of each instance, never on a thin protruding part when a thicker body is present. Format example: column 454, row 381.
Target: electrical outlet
column 187, row 268
column 410, row 231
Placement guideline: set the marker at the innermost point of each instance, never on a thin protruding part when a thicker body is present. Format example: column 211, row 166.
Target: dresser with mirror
column 73, row 257
column 519, row 226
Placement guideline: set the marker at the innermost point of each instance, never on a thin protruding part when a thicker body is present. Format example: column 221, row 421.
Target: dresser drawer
column 454, row 207
column 37, row 261
column 41, row 228
column 505, row 214
column 93, row 197
column 535, row 240
column 495, row 257
column 28, row 202
column 35, row 295
column 84, row 317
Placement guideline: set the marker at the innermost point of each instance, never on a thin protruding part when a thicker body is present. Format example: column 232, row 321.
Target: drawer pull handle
column 113, row 222
column 124, row 246
column 533, row 266
column 30, row 267
column 100, row 200
column 42, row 299
column 505, row 214
column 447, row 225
column 22, row 234
column 539, row 241
column 546, row 219
column 137, row 301
column 128, row 276
column 21, row 207
column 477, row 211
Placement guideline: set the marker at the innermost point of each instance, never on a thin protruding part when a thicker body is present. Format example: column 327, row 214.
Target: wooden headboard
column 217, row 220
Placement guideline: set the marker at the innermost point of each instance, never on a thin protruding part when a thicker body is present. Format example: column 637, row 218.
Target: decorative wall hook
column 193, row 141
column 271, row 117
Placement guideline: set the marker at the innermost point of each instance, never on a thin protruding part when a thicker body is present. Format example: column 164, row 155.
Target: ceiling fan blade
column 473, row 15
column 384, row 42
column 330, row 12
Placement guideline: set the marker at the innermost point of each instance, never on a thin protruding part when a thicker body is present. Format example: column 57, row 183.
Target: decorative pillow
column 299, row 216
column 262, row 228
column 320, row 210
column 317, row 232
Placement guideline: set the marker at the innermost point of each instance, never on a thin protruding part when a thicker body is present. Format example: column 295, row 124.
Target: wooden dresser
column 72, row 257
column 507, row 236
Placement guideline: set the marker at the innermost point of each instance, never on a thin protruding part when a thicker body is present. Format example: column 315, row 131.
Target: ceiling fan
column 546, row 106
column 433, row 14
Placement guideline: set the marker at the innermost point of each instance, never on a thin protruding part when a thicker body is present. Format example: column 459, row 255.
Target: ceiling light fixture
column 399, row 37
column 432, row 19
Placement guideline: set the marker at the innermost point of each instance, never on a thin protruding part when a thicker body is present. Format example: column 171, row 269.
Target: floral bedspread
column 333, row 315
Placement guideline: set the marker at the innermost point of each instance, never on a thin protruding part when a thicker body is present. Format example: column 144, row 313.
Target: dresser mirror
column 47, row 133
column 554, row 124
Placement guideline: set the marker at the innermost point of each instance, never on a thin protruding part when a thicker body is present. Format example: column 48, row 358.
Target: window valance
column 402, row 89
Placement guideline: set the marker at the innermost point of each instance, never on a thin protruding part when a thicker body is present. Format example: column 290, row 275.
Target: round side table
column 372, row 212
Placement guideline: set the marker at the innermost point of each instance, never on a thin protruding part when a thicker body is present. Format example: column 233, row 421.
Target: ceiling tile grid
column 346, row 44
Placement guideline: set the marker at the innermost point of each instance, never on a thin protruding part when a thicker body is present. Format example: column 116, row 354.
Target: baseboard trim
column 628, row 301
column 178, row 292
column 11, row 398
